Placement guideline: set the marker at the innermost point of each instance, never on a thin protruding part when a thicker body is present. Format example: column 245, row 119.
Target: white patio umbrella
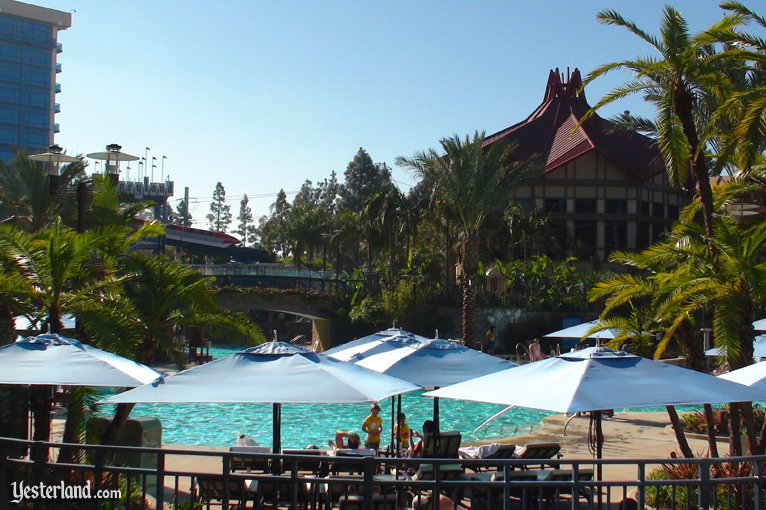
column 594, row 379
column 433, row 363
column 759, row 325
column 381, row 341
column 23, row 323
column 580, row 330
column 759, row 348
column 274, row 372
column 55, row 360
column 752, row 375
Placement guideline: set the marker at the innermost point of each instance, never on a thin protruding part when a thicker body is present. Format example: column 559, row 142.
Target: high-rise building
column 28, row 69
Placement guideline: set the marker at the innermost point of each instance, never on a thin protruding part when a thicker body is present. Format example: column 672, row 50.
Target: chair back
column 539, row 451
column 504, row 452
column 442, row 446
column 211, row 488
column 311, row 466
column 250, row 463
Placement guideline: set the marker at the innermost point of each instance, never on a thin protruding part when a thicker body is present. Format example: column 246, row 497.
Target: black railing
column 319, row 481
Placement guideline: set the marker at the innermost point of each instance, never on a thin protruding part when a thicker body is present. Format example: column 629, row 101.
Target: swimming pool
column 303, row 425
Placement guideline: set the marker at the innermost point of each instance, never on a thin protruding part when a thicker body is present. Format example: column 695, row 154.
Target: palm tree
column 687, row 69
column 156, row 296
column 50, row 262
column 745, row 109
column 26, row 195
column 472, row 183
column 686, row 278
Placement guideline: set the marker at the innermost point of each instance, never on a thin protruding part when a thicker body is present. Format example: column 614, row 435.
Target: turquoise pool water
column 302, row 425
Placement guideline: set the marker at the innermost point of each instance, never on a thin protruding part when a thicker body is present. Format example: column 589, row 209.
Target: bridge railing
column 128, row 477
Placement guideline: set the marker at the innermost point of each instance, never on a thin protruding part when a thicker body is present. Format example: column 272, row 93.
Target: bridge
column 316, row 307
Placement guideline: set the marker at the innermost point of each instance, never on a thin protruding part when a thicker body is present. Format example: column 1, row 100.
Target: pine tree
column 220, row 212
column 363, row 179
column 246, row 228
column 181, row 216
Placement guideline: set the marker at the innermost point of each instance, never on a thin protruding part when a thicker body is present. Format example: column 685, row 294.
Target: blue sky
column 262, row 95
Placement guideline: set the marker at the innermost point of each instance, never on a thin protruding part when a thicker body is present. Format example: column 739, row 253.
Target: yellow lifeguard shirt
column 368, row 422
column 403, row 433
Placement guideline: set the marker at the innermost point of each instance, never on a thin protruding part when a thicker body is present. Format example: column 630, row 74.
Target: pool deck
column 632, row 435
column 627, row 435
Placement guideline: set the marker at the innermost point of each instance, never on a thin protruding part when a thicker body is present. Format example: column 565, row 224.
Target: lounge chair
column 209, row 488
column 566, row 475
column 441, row 446
column 305, row 466
column 379, row 502
column 279, row 494
column 482, row 496
column 540, row 451
column 250, row 463
column 505, row 451
column 344, row 463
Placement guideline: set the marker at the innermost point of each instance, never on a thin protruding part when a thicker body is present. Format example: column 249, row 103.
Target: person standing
column 373, row 425
column 402, row 432
column 490, row 340
column 535, row 351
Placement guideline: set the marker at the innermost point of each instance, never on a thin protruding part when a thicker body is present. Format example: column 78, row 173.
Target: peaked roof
column 547, row 132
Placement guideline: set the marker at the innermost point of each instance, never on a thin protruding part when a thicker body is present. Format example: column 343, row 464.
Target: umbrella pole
column 398, row 412
column 393, row 421
column 599, row 452
column 436, row 413
column 276, row 431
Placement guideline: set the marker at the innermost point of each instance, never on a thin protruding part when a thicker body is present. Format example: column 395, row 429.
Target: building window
column 10, row 72
column 644, row 235
column 555, row 205
column 9, row 137
column 646, row 208
column 37, row 99
column 616, row 206
column 37, row 58
column 10, row 27
column 525, row 204
column 37, row 120
column 616, row 235
column 41, row 35
column 585, row 238
column 35, row 140
column 658, row 210
column 585, row 205
column 673, row 212
column 10, row 52
column 9, row 95
column 37, row 79
column 9, row 115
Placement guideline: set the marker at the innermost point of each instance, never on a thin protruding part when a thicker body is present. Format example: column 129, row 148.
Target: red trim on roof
column 547, row 132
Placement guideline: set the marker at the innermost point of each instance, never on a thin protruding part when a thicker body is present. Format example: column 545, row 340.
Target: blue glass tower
column 28, row 68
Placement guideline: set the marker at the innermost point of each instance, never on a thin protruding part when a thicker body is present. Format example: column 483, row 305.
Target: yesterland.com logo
column 21, row 491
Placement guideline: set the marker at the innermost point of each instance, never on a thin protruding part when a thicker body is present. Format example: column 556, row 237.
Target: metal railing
column 151, row 478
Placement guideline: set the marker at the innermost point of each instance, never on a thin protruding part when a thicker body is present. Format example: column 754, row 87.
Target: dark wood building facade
column 607, row 186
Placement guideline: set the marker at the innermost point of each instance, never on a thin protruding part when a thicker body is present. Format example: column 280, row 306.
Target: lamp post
column 112, row 157
column 54, row 157
column 337, row 261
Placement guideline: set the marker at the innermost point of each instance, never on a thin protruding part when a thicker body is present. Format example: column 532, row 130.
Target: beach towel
column 478, row 452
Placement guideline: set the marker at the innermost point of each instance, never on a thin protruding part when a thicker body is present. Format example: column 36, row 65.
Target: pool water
column 304, row 424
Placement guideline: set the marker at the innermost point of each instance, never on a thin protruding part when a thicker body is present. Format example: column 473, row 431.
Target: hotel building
column 607, row 186
column 28, row 69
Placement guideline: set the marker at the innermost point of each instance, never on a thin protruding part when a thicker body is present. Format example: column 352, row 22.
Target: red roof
column 547, row 132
